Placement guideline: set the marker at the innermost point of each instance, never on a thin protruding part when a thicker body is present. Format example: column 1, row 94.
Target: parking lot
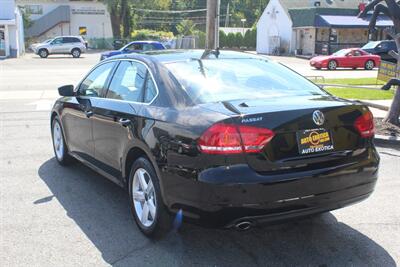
column 56, row 216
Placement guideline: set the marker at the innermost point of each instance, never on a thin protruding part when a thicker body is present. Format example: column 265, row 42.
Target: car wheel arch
column 133, row 153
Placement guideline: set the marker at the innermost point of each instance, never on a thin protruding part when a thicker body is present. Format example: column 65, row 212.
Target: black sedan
column 223, row 139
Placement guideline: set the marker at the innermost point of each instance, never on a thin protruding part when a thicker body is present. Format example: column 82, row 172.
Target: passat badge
column 318, row 117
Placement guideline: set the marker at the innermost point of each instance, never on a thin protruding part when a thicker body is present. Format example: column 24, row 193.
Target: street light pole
column 243, row 21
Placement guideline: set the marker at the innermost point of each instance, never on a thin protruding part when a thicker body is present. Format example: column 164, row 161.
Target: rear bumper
column 222, row 197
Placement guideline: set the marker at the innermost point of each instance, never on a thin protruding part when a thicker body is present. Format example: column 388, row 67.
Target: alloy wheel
column 43, row 53
column 144, row 198
column 76, row 53
column 58, row 141
column 332, row 65
column 369, row 65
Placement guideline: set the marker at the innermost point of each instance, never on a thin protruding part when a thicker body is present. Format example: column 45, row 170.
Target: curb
column 382, row 107
column 387, row 140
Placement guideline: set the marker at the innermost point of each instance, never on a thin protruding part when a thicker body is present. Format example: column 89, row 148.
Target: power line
column 170, row 11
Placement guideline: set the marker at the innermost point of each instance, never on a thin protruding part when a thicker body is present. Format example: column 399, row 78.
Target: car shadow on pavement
column 101, row 210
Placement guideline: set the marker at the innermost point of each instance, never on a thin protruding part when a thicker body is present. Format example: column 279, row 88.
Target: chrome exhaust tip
column 243, row 225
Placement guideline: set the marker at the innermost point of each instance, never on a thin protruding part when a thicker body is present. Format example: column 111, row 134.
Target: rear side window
column 151, row 90
column 128, row 82
column 94, row 83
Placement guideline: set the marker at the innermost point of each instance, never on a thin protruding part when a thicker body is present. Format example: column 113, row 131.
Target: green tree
column 186, row 27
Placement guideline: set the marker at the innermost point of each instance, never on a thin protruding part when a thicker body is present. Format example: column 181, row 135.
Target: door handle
column 89, row 113
column 124, row 122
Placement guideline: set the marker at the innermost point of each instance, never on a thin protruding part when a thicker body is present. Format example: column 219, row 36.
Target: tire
column 157, row 223
column 332, row 65
column 369, row 65
column 43, row 53
column 76, row 53
column 59, row 145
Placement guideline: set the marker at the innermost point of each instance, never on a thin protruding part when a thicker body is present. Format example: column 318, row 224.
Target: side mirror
column 66, row 90
column 349, row 55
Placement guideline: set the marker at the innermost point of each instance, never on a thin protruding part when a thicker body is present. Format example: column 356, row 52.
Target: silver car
column 74, row 45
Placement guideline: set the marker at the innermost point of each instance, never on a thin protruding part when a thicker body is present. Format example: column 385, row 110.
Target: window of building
column 34, row 9
column 82, row 31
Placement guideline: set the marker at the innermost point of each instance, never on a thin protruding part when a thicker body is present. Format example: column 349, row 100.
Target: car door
column 68, row 44
column 77, row 113
column 116, row 122
column 357, row 60
column 55, row 46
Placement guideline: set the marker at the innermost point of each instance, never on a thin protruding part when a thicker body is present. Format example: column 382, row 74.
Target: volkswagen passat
column 225, row 139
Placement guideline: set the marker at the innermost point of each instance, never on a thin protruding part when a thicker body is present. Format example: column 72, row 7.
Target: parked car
column 382, row 49
column 74, row 45
column 134, row 47
column 347, row 58
column 223, row 139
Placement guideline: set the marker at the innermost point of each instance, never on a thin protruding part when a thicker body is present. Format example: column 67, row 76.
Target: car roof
column 168, row 56
column 144, row 42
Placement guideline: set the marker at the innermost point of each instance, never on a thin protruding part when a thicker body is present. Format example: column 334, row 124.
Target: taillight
column 365, row 125
column 224, row 138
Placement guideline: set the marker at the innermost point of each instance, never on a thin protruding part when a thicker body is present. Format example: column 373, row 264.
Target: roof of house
column 304, row 17
column 350, row 21
column 303, row 12
column 290, row 4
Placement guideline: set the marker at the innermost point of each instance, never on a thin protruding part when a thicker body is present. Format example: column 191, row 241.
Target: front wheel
column 369, row 65
column 147, row 206
column 332, row 65
column 76, row 53
column 59, row 145
column 43, row 53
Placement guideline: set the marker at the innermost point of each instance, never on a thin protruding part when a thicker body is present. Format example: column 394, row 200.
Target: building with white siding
column 51, row 18
column 11, row 30
column 310, row 27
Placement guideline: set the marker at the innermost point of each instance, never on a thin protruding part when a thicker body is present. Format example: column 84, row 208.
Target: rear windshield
column 370, row 45
column 216, row 80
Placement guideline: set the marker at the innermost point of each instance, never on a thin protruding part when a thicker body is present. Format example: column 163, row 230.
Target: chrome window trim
column 125, row 59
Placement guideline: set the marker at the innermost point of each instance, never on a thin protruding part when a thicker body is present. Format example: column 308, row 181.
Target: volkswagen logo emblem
column 318, row 117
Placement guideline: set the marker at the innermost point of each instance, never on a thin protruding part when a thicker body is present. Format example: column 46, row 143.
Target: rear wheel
column 76, row 53
column 43, row 53
column 332, row 65
column 369, row 65
column 147, row 207
column 59, row 145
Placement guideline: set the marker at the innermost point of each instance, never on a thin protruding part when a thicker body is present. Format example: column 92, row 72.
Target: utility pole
column 211, row 27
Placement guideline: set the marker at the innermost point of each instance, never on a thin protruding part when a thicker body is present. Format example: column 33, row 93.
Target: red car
column 347, row 58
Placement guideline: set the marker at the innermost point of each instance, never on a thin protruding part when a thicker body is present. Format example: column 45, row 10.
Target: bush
column 222, row 39
column 145, row 34
column 239, row 40
column 230, row 40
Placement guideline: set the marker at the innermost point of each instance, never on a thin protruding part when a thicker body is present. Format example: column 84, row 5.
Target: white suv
column 74, row 45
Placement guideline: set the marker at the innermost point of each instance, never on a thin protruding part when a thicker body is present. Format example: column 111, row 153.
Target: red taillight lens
column 224, row 138
column 365, row 125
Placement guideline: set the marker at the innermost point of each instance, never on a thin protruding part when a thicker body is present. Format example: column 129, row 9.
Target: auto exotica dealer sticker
column 314, row 141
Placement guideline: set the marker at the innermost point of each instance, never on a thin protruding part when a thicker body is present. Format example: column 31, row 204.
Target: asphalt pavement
column 71, row 216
